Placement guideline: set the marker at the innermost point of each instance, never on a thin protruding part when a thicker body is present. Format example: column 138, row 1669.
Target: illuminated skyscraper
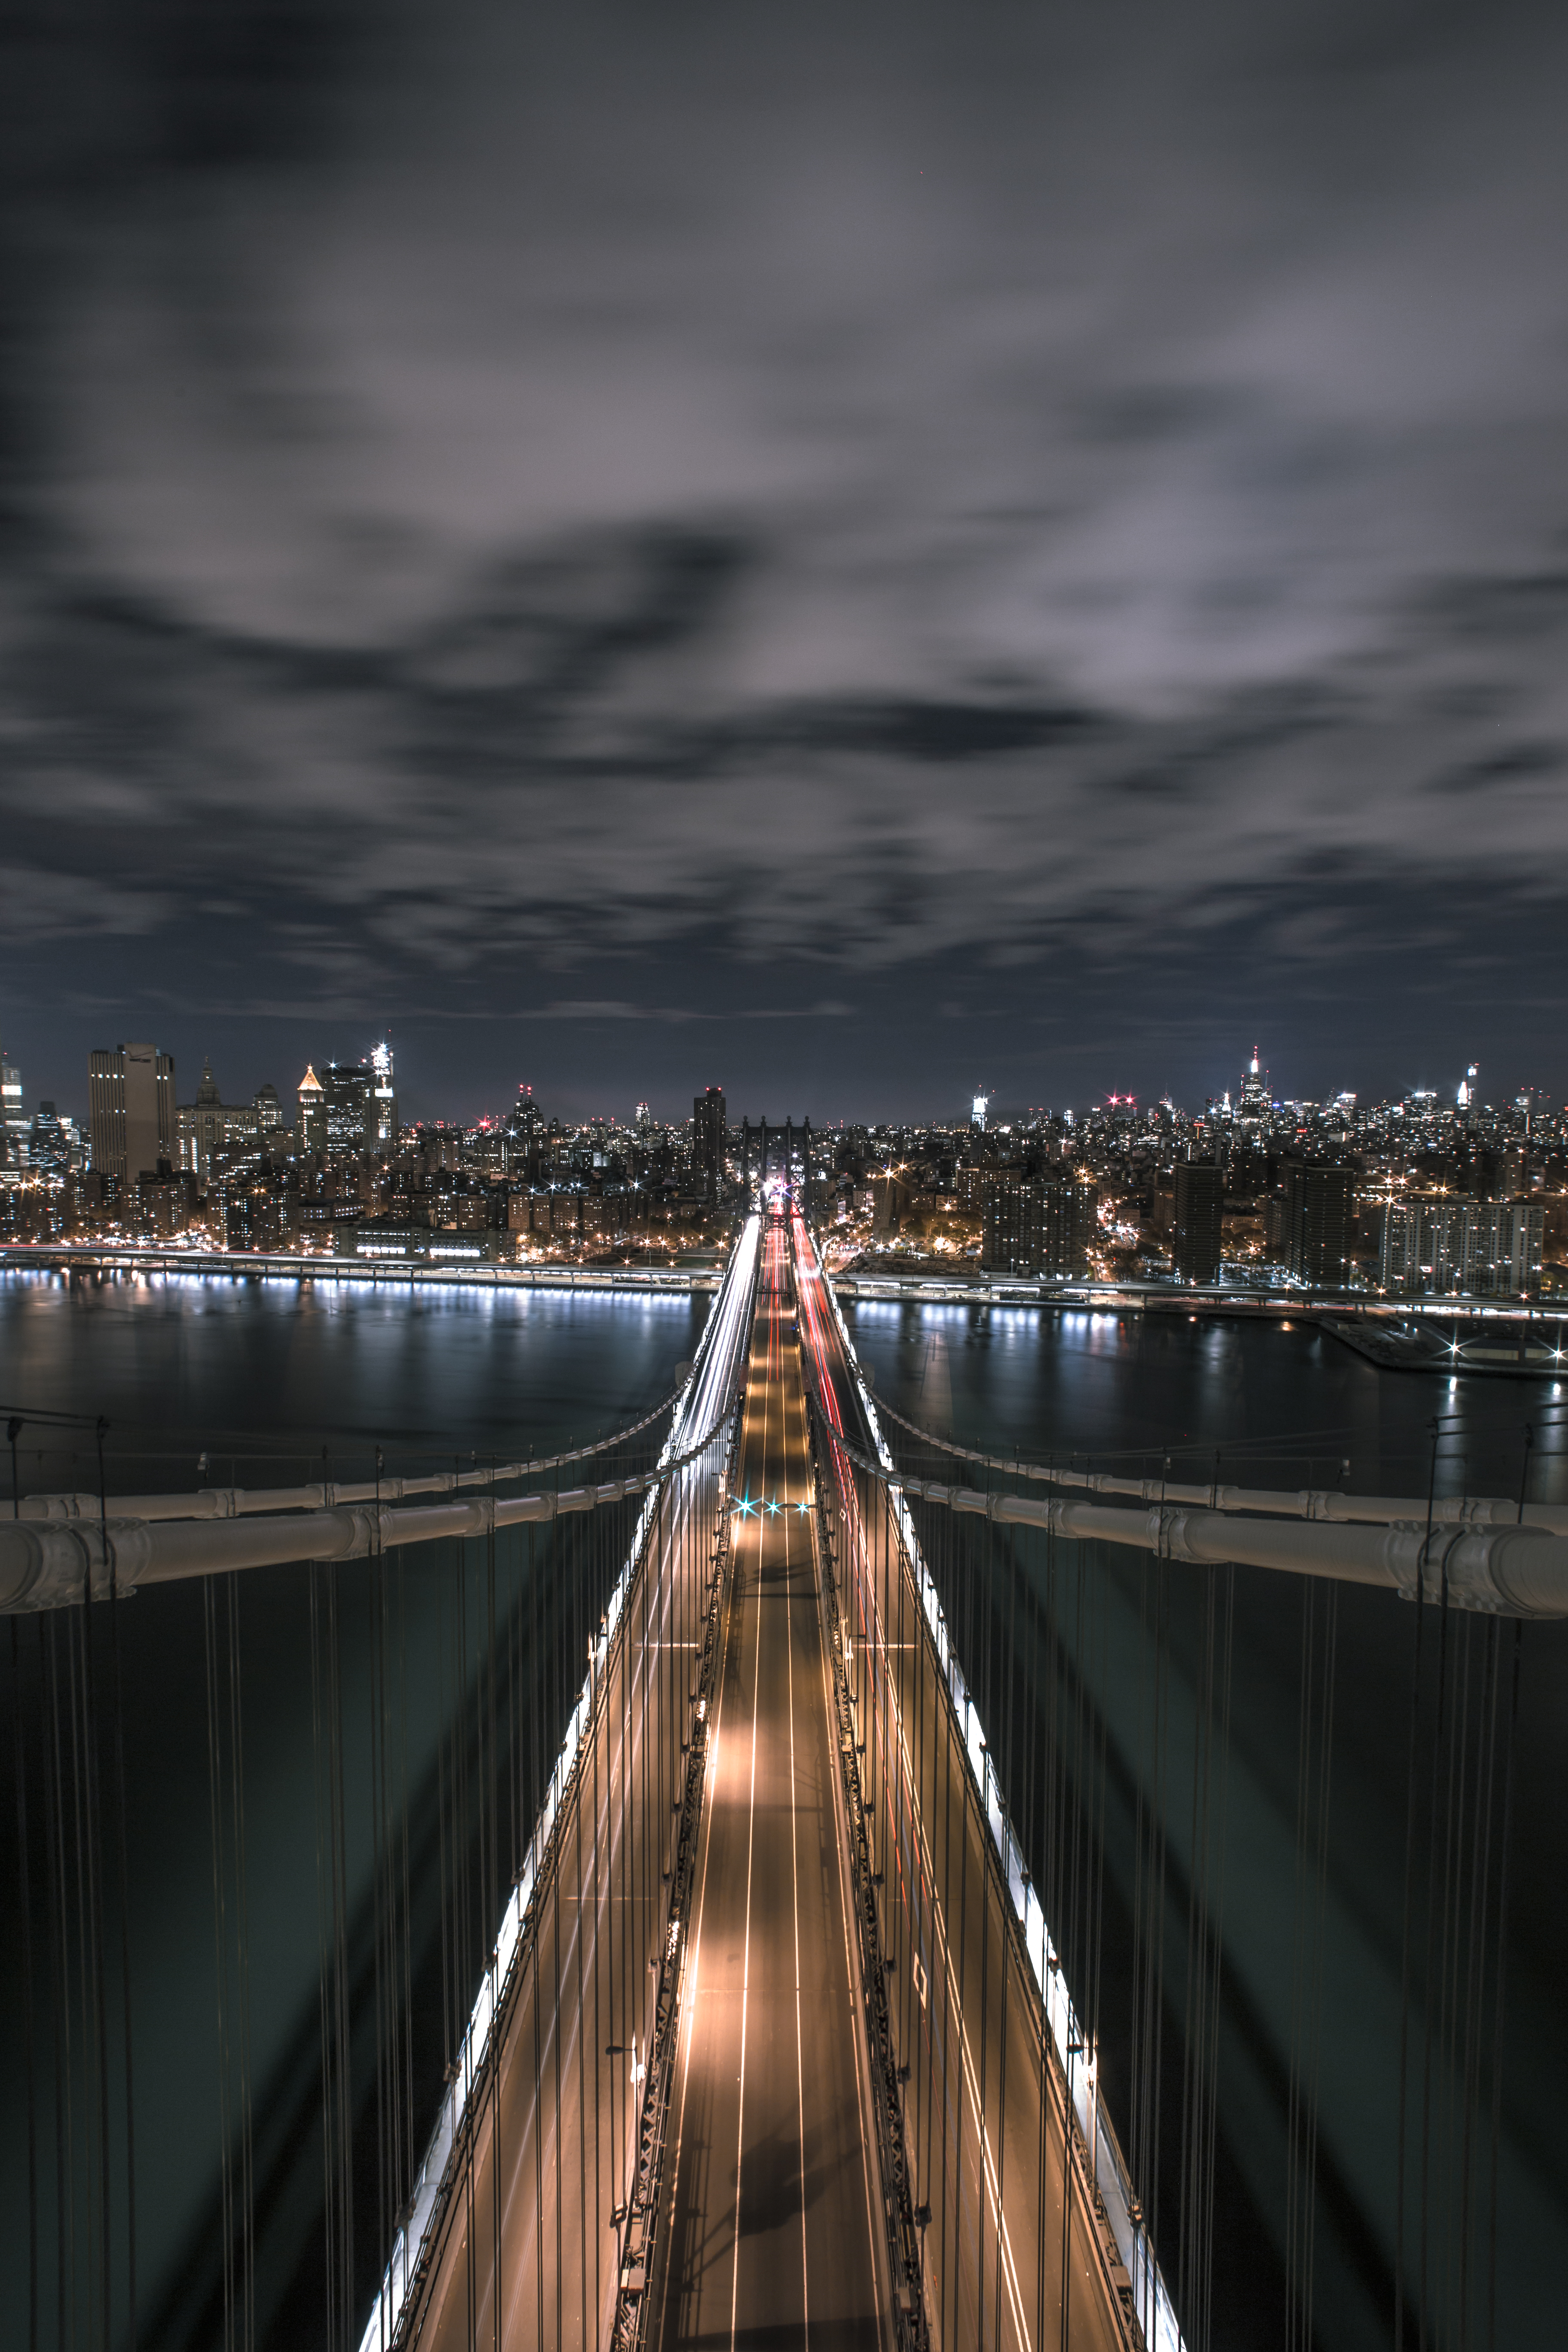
column 350, row 1108
column 202, row 1127
column 1252, row 1109
column 383, row 1096
column 13, row 1124
column 130, row 1110
column 50, row 1140
column 313, row 1114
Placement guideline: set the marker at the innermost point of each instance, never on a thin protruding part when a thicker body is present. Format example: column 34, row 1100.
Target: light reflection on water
column 268, row 1370
column 1289, row 1406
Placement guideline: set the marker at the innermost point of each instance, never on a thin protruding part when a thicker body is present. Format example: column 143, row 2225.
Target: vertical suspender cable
column 1501, row 2013
column 220, row 1963
column 1101, row 1841
column 1440, row 1729
column 342, row 2034
column 980, row 1656
column 84, row 1942
column 95, row 1899
column 579, row 1582
column 493, row 1904
column 406, row 1987
column 564, row 1652
column 60, row 1929
column 1325, row 1768
column 1399, row 2216
column 242, row 1933
column 1452, row 1863
column 535, row 1653
column 1477, row 1907
column 1193, row 2018
column 25, row 1915
column 1005, row 1726
column 321, row 1941
column 119, row 1809
column 381, row 1907
column 25, row 1918
column 1035, row 1753
column 1213, row 2126
column 1293, row 2096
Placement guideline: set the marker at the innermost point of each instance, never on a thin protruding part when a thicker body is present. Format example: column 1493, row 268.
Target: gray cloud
column 870, row 491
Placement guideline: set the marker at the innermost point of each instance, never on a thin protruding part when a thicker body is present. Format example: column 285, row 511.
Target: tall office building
column 12, row 1123
column 203, row 1128
column 1037, row 1225
column 350, row 1108
column 313, row 1100
column 131, row 1116
column 1318, row 1203
column 383, row 1097
column 708, row 1137
column 50, row 1140
column 1252, row 1109
column 1199, row 1212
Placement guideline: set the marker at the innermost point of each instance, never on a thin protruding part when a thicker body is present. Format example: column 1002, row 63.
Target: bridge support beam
column 1518, row 1571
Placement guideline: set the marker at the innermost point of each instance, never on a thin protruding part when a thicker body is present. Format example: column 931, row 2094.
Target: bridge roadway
column 771, row 2238
column 985, row 2105
column 766, row 2234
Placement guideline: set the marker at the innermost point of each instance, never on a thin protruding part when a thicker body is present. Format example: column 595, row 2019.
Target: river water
column 1278, row 1406
column 261, row 1376
column 262, row 1373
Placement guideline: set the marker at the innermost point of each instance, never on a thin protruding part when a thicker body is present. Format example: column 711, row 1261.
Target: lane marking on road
column 751, row 1836
column 795, row 1885
column 708, row 1810
column 850, row 1962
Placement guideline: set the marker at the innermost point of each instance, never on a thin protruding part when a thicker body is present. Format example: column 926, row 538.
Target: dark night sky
column 851, row 553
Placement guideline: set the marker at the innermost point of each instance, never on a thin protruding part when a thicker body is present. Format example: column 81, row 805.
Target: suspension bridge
column 710, row 1831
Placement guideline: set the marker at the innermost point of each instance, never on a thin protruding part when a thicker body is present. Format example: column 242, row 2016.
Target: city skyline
column 423, row 1096
column 1072, row 564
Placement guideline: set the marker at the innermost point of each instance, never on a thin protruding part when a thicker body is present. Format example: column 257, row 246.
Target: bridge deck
column 771, row 2230
column 770, row 2238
